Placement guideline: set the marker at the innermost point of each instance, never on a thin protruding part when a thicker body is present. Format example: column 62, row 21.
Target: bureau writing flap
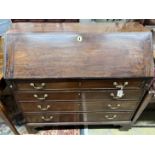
column 75, row 54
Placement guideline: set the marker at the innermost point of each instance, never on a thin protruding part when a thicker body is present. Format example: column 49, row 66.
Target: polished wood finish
column 30, row 96
column 55, row 85
column 73, row 59
column 59, row 106
column 77, row 106
column 84, row 117
column 79, row 74
column 58, row 84
column 69, row 95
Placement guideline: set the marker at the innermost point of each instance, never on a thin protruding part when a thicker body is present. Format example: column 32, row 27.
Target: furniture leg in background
column 5, row 117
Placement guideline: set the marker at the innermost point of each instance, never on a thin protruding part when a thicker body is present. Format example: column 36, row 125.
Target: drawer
column 42, row 96
column 108, row 116
column 44, row 85
column 111, row 95
column 114, row 83
column 107, row 105
column 78, row 117
column 50, row 106
column 43, row 118
column 78, row 106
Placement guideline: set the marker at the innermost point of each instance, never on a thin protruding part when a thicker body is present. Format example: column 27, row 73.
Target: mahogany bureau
column 78, row 74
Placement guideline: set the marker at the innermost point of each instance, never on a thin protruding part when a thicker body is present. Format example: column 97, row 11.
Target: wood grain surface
column 61, row 55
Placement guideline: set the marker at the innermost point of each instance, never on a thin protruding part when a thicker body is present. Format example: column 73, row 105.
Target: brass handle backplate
column 42, row 85
column 41, row 98
column 43, row 109
column 47, row 118
column 120, row 86
column 110, row 117
column 114, row 107
column 120, row 92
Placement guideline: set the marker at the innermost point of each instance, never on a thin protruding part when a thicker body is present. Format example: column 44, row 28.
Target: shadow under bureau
column 78, row 74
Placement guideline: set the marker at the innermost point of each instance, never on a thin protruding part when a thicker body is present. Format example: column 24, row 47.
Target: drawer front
column 108, row 116
column 84, row 95
column 111, row 95
column 115, row 83
column 110, row 105
column 50, row 106
column 52, row 85
column 81, row 117
column 78, row 106
column 83, row 84
column 42, row 96
column 44, row 118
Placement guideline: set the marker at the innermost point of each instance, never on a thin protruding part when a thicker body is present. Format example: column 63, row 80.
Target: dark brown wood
column 46, row 20
column 132, row 83
column 78, row 59
column 8, row 121
column 106, row 95
column 83, row 95
column 37, row 118
column 144, row 103
column 79, row 74
column 75, row 117
column 29, row 96
column 58, row 84
column 117, row 123
column 103, row 105
column 51, row 106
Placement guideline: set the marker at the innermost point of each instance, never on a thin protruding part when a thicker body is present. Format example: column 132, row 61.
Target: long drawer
column 75, row 106
column 79, row 117
column 83, row 95
column 76, row 84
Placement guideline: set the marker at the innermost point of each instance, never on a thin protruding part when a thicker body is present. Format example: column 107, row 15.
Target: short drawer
column 111, row 95
column 44, row 118
column 44, row 96
column 114, row 83
column 44, row 85
column 50, row 106
column 107, row 105
column 108, row 116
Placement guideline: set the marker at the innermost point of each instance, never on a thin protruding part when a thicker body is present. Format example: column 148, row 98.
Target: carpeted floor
column 5, row 130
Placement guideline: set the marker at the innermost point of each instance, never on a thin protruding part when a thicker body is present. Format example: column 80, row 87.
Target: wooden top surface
column 58, row 54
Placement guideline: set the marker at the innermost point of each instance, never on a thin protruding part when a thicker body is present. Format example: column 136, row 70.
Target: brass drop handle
column 119, row 94
column 120, row 86
column 110, row 117
column 43, row 109
column 47, row 119
column 79, row 38
column 41, row 98
column 42, row 85
column 114, row 107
